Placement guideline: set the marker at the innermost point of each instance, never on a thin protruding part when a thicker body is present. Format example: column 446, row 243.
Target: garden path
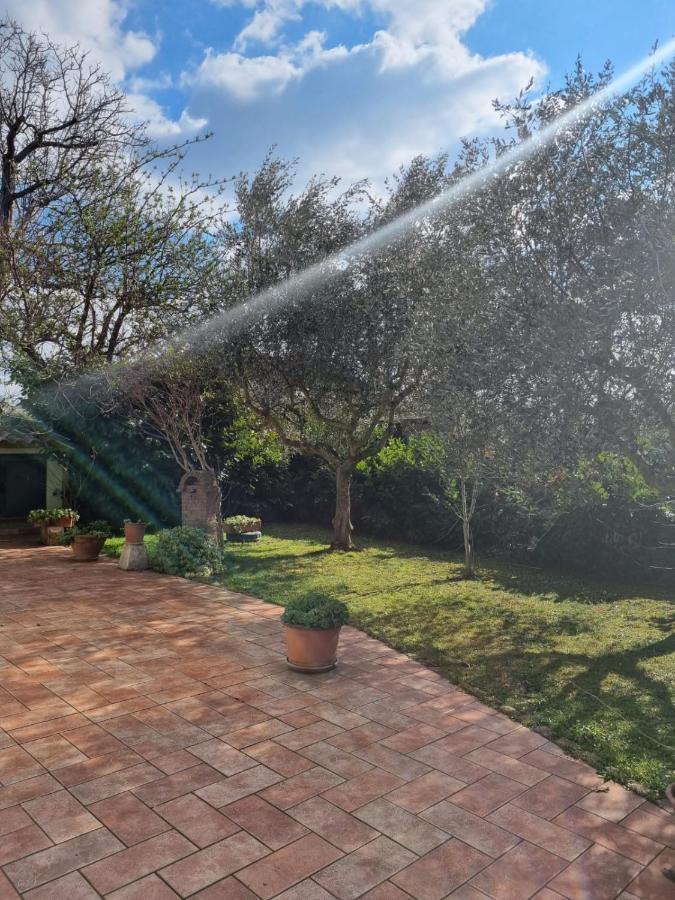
column 153, row 744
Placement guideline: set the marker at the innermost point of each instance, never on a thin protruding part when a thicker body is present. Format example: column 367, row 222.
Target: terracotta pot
column 86, row 548
column 64, row 522
column 134, row 532
column 670, row 794
column 311, row 649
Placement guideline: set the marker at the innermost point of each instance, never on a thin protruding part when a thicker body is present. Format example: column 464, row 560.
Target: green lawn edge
column 592, row 662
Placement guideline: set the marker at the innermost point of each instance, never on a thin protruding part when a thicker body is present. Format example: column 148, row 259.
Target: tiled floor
column 153, row 744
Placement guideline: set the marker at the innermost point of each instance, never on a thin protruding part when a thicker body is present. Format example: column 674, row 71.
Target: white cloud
column 413, row 86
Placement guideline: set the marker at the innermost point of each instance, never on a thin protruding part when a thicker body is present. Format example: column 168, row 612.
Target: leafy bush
column 606, row 518
column 186, row 551
column 39, row 516
column 315, row 612
column 97, row 529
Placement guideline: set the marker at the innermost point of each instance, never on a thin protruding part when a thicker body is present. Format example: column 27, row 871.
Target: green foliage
column 591, row 660
column 39, row 516
column 99, row 529
column 607, row 518
column 238, row 521
column 315, row 612
column 186, row 551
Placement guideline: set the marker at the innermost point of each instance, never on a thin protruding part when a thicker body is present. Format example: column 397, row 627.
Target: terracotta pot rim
column 312, row 627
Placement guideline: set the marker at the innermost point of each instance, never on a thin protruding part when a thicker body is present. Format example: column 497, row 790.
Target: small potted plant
column 242, row 529
column 63, row 517
column 87, row 540
column 312, row 632
column 40, row 518
column 134, row 532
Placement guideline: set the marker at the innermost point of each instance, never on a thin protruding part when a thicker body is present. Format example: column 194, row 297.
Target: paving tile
column 27, row 790
column 310, row 734
column 286, row 867
column 128, row 818
column 439, row 758
column 516, row 769
column 483, row 796
column 519, row 873
column 254, row 734
column 656, row 881
column 54, row 752
column 226, row 889
column 61, row 816
column 22, row 842
column 407, row 829
column 658, row 828
column 141, row 859
column 149, row 888
column 16, row 764
column 188, row 780
column 7, row 892
column 599, row 874
column 480, row 834
column 571, row 769
column 306, row 890
column 13, row 819
column 386, row 891
column 518, row 743
column 391, row 761
column 274, row 756
column 441, row 870
column 97, row 767
column 615, row 837
column 339, row 761
column 461, row 742
column 611, row 801
column 93, row 740
column 212, row 864
column 413, row 738
column 63, row 858
column 222, row 757
column 425, row 791
column 116, row 783
column 333, row 824
column 61, row 725
column 301, row 787
column 362, row 789
column 69, row 887
column 549, row 798
column 238, row 786
column 199, row 822
column 265, row 822
column 365, row 868
column 551, row 837
column 359, row 737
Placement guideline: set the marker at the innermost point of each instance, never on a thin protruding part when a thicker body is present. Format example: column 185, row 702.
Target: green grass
column 593, row 662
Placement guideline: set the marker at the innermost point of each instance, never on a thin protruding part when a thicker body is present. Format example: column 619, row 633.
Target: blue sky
column 352, row 87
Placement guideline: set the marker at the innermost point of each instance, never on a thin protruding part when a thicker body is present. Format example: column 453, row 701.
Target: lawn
column 593, row 662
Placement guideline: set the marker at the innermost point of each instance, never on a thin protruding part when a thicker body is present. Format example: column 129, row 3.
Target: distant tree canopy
column 532, row 322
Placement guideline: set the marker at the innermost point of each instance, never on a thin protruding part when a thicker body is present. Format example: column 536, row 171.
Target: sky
column 354, row 88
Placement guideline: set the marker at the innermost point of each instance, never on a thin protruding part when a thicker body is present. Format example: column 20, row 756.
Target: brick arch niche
column 200, row 500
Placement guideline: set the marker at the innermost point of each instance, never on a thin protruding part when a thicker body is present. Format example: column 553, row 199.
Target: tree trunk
column 468, row 507
column 342, row 520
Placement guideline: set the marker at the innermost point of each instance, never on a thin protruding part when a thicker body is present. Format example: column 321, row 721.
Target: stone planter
column 134, row 532
column 255, row 525
column 311, row 649
column 87, row 548
column 243, row 537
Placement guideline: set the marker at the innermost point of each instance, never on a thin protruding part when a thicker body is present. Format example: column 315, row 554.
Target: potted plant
column 39, row 518
column 312, row 632
column 87, row 540
column 64, row 517
column 134, row 532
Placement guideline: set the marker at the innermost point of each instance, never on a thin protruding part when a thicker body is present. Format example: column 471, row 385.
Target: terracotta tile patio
column 153, row 744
